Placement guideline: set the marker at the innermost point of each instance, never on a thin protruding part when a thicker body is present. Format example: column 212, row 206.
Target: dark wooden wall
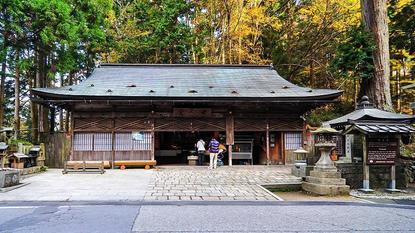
column 58, row 147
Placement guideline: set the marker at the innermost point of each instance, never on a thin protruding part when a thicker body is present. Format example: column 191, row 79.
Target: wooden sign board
column 382, row 151
column 192, row 112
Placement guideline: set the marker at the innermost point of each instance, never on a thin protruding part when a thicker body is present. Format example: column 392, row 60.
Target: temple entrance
column 251, row 148
column 173, row 148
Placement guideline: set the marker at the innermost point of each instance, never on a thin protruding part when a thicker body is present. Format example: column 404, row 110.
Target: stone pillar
column 348, row 148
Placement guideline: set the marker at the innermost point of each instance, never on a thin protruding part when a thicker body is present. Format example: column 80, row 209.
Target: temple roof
column 157, row 81
column 367, row 113
column 380, row 128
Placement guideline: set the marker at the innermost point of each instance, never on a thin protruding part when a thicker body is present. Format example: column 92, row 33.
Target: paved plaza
column 240, row 183
column 186, row 183
column 113, row 185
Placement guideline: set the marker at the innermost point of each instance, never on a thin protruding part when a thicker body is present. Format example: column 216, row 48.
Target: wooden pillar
column 153, row 141
column 282, row 148
column 112, row 140
column 71, row 130
column 267, row 135
column 392, row 185
column 230, row 134
column 230, row 154
column 113, row 149
column 366, row 185
column 393, row 178
column 94, row 153
column 52, row 119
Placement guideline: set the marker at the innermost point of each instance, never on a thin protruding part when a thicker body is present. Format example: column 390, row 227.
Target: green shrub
column 43, row 168
column 15, row 142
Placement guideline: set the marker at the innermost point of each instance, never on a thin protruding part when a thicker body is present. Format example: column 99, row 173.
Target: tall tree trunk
column 17, row 99
column 3, row 66
column 376, row 21
column 67, row 112
column 240, row 50
column 2, row 82
column 356, row 93
column 43, row 82
column 398, row 89
column 35, row 109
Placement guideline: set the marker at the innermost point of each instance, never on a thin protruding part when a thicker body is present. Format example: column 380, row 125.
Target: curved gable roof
column 153, row 81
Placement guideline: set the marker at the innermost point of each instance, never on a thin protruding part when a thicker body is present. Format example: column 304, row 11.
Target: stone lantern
column 300, row 167
column 300, row 155
column 325, row 179
column 325, row 142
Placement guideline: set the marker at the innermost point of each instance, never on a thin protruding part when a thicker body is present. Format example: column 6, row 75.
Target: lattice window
column 141, row 141
column 102, row 142
column 123, row 142
column 136, row 141
column 293, row 140
column 83, row 141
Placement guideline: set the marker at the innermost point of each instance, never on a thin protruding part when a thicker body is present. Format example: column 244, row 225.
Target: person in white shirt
column 200, row 145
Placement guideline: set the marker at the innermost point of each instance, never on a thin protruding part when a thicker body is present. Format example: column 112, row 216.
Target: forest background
column 314, row 43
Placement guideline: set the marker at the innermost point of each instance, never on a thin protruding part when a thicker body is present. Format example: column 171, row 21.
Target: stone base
column 366, row 190
column 9, row 178
column 326, row 190
column 326, row 183
column 301, row 171
column 393, row 190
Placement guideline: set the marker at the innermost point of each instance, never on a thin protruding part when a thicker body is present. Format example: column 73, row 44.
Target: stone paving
column 113, row 185
column 240, row 183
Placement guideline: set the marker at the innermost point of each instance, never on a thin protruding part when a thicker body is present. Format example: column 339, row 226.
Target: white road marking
column 364, row 200
column 271, row 193
column 19, row 207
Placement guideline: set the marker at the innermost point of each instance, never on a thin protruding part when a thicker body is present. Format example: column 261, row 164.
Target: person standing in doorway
column 213, row 152
column 200, row 145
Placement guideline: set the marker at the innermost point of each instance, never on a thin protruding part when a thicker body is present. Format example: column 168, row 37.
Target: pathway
column 241, row 183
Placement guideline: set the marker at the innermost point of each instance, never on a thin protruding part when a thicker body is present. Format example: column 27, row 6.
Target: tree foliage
column 316, row 43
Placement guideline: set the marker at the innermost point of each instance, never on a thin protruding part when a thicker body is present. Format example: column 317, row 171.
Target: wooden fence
column 58, row 147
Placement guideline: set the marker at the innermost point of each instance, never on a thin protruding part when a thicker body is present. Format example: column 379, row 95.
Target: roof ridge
column 186, row 65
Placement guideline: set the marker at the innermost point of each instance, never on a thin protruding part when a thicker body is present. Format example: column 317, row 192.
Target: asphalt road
column 103, row 217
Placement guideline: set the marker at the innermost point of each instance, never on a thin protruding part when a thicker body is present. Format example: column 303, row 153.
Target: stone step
column 325, row 174
column 328, row 181
column 333, row 169
column 329, row 190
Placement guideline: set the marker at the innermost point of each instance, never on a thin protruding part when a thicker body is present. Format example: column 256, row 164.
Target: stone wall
column 379, row 175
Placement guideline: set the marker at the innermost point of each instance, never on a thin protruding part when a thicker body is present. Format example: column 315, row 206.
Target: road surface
column 108, row 217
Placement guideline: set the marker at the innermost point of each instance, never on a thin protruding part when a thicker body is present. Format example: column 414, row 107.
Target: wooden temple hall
column 145, row 112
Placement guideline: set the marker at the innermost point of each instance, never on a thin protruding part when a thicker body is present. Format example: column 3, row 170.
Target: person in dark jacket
column 213, row 150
